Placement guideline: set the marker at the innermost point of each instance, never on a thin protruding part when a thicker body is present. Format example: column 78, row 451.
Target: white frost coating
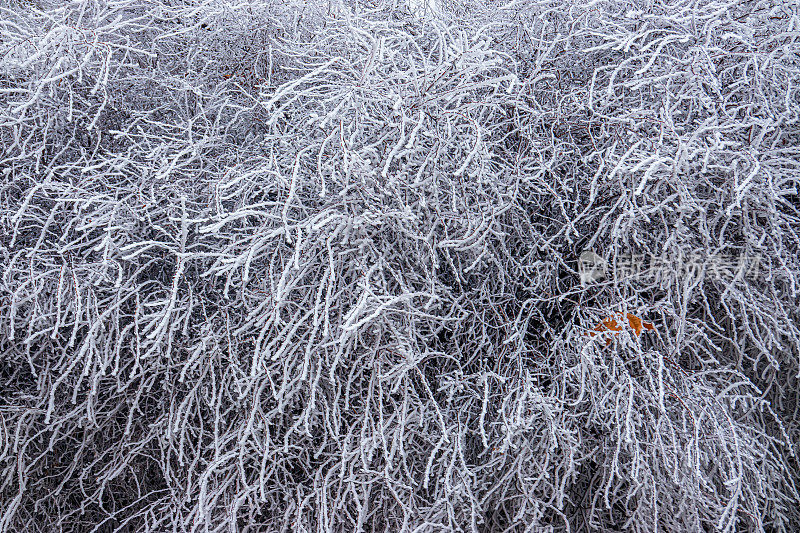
column 313, row 266
column 423, row 8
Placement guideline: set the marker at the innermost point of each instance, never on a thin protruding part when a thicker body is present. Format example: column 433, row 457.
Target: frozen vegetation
column 313, row 266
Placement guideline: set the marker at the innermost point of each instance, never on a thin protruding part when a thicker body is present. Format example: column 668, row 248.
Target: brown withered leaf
column 610, row 325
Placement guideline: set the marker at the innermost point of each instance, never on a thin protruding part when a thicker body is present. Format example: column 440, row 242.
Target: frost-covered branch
column 313, row 266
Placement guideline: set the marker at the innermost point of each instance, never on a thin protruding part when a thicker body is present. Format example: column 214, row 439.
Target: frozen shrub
column 313, row 266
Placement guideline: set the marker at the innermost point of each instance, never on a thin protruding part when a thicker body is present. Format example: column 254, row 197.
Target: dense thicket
column 313, row 266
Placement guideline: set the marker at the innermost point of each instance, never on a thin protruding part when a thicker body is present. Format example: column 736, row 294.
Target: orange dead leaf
column 611, row 325
column 637, row 324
